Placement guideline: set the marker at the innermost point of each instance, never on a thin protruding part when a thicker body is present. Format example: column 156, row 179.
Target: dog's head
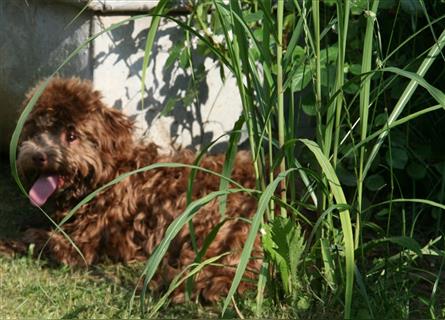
column 71, row 142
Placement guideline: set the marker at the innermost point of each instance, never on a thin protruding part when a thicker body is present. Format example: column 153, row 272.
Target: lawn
column 30, row 288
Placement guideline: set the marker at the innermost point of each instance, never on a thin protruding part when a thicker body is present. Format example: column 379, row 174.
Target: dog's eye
column 71, row 136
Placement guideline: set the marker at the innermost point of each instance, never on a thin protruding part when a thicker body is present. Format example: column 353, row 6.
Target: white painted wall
column 117, row 73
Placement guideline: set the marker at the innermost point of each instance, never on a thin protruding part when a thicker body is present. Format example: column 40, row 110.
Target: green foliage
column 335, row 70
column 369, row 76
column 283, row 240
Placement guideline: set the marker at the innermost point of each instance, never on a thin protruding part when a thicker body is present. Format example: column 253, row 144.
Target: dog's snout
column 40, row 159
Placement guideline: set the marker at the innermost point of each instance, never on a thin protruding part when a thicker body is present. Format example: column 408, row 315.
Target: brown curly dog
column 73, row 144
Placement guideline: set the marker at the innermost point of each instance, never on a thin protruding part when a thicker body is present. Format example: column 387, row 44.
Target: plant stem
column 364, row 102
column 280, row 100
column 405, row 97
column 316, row 19
column 343, row 15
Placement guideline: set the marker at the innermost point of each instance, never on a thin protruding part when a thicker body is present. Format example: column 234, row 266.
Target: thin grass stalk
column 280, row 99
column 364, row 108
column 246, row 99
column 263, row 204
column 343, row 12
column 290, row 150
column 386, row 84
column 317, row 76
column 266, row 36
column 152, row 31
column 261, row 286
column 345, row 219
column 405, row 97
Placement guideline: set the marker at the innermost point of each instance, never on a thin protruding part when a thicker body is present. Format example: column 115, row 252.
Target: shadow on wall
column 197, row 112
column 201, row 107
column 178, row 109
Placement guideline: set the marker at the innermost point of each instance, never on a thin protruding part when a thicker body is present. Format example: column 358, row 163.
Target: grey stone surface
column 35, row 38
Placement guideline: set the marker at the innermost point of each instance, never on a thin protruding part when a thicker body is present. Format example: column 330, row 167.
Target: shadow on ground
column 16, row 214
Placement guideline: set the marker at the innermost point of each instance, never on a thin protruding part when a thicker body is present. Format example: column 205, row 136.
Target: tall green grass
column 295, row 57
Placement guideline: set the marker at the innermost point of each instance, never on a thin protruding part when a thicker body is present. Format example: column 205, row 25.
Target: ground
column 31, row 288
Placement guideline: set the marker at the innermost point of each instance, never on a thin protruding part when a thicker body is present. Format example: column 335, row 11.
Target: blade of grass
column 229, row 161
column 406, row 95
column 364, row 107
column 248, row 245
column 317, row 76
column 343, row 23
column 152, row 30
column 280, row 100
column 394, row 124
column 345, row 220
column 262, row 280
column 234, row 53
column 179, row 279
column 173, row 229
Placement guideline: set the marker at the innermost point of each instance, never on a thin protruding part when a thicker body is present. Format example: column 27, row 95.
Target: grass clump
column 359, row 234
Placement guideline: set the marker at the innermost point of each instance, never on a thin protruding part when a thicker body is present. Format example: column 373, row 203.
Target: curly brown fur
column 71, row 134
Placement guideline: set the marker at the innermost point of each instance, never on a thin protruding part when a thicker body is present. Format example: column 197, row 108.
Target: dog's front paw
column 38, row 237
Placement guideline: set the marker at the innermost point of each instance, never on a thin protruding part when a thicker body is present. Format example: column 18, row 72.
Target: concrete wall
column 118, row 57
column 35, row 38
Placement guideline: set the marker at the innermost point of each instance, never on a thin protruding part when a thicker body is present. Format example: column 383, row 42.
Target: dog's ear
column 118, row 135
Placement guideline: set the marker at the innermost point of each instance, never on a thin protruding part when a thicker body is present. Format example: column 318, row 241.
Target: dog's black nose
column 40, row 159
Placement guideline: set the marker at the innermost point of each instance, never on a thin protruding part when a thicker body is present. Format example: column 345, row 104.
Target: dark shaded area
column 33, row 43
column 16, row 213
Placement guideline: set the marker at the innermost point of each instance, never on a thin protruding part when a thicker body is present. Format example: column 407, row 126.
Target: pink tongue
column 42, row 189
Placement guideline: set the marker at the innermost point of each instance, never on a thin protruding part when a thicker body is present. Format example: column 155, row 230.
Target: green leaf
column 301, row 78
column 284, row 242
column 328, row 263
column 184, row 59
column 412, row 7
column 328, row 74
column 355, row 69
column 380, row 119
column 358, row 6
column 403, row 241
column 152, row 30
column 398, row 158
column 328, row 55
column 309, row 109
column 263, row 204
column 345, row 218
column 346, row 177
column 277, row 255
column 407, row 242
column 173, row 56
column 351, row 88
column 375, row 182
column 416, row 170
column 253, row 16
column 171, row 102
column 229, row 161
